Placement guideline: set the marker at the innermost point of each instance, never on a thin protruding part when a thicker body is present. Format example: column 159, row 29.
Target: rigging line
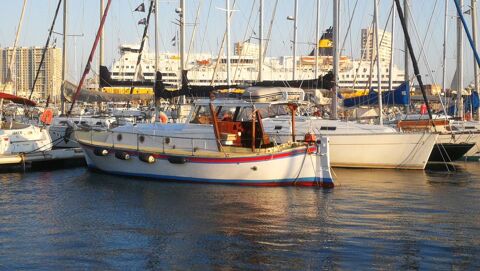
column 44, row 52
column 244, row 37
column 194, row 31
column 90, row 58
column 206, row 25
column 422, row 46
column 349, row 26
column 142, row 44
column 364, row 53
column 422, row 51
column 220, row 52
column 375, row 59
column 12, row 59
column 269, row 34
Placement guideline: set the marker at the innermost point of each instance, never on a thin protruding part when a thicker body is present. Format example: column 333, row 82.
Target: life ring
column 47, row 116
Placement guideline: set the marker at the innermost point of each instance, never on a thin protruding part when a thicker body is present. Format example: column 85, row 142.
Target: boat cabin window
column 227, row 113
column 201, row 115
column 328, row 128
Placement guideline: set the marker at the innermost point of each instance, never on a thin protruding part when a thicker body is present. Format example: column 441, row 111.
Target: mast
column 406, row 5
column 45, row 49
column 392, row 41
column 14, row 51
column 459, row 86
column 228, row 42
column 90, row 58
column 64, row 58
column 336, row 56
column 414, row 60
column 101, row 50
column 260, row 40
column 182, row 39
column 156, row 35
column 445, row 37
column 295, row 39
column 379, row 71
column 475, row 43
column 317, row 38
column 156, row 56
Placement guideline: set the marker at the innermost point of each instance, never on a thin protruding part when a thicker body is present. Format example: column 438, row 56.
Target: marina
column 312, row 148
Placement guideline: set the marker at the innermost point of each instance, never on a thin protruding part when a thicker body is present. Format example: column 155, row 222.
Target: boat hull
column 297, row 167
column 384, row 150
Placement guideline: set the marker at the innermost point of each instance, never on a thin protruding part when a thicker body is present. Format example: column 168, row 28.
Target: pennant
column 174, row 41
column 143, row 21
column 140, row 8
column 468, row 12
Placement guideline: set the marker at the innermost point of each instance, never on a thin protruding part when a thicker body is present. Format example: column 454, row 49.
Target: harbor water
column 75, row 219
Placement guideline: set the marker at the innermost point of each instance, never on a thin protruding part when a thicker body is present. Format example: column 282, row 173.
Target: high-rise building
column 368, row 44
column 25, row 67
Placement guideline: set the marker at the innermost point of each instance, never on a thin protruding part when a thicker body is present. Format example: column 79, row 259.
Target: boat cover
column 399, row 96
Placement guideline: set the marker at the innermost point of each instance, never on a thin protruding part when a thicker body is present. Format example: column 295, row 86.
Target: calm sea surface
column 74, row 219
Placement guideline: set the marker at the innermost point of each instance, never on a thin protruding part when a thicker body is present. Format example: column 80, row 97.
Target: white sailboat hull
column 293, row 167
column 360, row 146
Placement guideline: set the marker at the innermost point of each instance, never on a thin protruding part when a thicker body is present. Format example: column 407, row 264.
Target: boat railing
column 143, row 142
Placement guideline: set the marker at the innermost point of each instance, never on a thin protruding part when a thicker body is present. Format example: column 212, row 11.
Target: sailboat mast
column 101, row 49
column 90, row 58
column 317, row 37
column 475, row 43
column 392, row 41
column 260, row 41
column 156, row 35
column 228, row 42
column 406, row 5
column 14, row 51
column 336, row 56
column 295, row 40
column 460, row 109
column 64, row 58
column 445, row 37
column 182, row 40
column 379, row 71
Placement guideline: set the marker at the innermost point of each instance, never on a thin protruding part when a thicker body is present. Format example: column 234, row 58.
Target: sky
column 121, row 27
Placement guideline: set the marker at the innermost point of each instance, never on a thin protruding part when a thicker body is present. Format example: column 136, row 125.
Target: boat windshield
column 202, row 115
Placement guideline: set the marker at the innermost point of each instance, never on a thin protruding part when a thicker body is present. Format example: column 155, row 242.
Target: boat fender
column 122, row 155
column 47, row 116
column 100, row 152
column 163, row 117
column 147, row 158
column 177, row 160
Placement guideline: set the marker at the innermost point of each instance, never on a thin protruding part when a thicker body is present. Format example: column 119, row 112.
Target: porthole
column 119, row 137
column 141, row 138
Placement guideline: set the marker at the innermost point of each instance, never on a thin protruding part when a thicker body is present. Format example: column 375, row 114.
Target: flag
column 174, row 41
column 143, row 21
column 140, row 8
column 468, row 12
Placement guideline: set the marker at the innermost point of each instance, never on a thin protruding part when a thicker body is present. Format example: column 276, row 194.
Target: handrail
column 138, row 145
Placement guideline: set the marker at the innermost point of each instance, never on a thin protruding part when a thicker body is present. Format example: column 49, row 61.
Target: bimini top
column 16, row 99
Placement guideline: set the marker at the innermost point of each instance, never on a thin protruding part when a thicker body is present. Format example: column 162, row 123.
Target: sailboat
column 219, row 143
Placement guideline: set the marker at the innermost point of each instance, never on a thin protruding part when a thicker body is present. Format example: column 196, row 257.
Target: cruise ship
column 206, row 69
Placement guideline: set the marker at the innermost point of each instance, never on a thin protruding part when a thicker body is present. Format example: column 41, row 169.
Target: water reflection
column 373, row 218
